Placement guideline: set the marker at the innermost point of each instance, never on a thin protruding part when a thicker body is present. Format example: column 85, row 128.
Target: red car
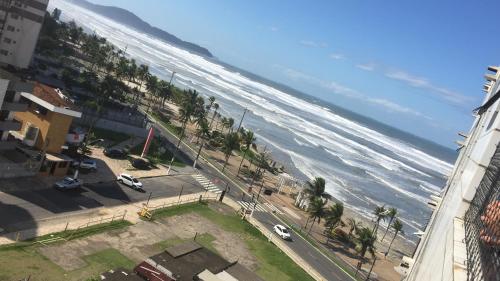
column 151, row 273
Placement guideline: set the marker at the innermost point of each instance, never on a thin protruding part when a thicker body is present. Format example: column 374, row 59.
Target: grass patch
column 204, row 239
column 156, row 155
column 68, row 235
column 17, row 264
column 111, row 136
column 165, row 121
column 274, row 264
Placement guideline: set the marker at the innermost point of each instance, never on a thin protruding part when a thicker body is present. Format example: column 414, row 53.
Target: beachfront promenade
column 328, row 269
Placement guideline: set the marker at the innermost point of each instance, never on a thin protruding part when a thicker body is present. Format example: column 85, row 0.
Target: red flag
column 148, row 142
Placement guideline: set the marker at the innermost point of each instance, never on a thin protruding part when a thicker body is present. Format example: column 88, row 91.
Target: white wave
column 399, row 189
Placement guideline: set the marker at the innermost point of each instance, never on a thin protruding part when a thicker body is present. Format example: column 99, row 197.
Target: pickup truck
column 68, row 183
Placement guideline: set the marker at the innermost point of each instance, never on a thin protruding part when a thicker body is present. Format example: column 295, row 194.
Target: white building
column 10, row 94
column 20, row 24
column 452, row 247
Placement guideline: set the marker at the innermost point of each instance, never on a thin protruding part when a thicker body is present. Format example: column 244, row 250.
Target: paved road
column 314, row 257
column 22, row 209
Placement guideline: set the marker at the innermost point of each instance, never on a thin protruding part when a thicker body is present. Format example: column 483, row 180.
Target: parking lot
column 21, row 209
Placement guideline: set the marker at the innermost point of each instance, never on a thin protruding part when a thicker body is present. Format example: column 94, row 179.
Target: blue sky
column 415, row 65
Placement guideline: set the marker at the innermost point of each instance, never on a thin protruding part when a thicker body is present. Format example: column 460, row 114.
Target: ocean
column 365, row 163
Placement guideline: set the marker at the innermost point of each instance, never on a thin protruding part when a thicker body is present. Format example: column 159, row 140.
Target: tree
column 231, row 142
column 216, row 107
column 316, row 211
column 354, row 226
column 203, row 132
column 397, row 226
column 391, row 214
column 316, row 188
column 248, row 138
column 381, row 214
column 333, row 217
column 152, row 87
column 365, row 240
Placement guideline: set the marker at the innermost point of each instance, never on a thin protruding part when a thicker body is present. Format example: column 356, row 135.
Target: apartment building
column 10, row 95
column 20, row 24
column 462, row 239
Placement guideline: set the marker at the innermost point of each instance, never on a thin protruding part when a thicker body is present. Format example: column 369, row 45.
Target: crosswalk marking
column 250, row 205
column 207, row 184
column 273, row 208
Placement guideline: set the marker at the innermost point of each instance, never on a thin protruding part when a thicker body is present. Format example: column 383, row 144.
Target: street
column 22, row 209
column 322, row 264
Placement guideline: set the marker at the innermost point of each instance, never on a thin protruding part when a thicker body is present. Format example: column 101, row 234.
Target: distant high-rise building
column 462, row 238
column 20, row 24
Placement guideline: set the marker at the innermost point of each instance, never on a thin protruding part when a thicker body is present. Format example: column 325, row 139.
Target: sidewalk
column 79, row 219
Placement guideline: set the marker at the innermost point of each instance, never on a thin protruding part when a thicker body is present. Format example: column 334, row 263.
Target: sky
column 415, row 65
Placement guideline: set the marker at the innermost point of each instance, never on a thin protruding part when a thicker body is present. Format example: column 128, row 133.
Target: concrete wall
column 113, row 126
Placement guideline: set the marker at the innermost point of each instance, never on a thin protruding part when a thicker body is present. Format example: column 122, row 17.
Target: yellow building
column 45, row 125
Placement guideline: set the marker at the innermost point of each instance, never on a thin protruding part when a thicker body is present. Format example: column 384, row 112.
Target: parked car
column 68, row 183
column 115, row 153
column 130, row 181
column 140, row 164
column 282, row 231
column 86, row 164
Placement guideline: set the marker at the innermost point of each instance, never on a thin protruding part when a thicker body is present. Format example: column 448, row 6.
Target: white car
column 86, row 164
column 129, row 180
column 282, row 231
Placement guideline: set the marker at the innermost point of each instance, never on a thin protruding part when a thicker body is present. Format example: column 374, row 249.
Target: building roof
column 120, row 274
column 188, row 265
column 51, row 95
column 52, row 99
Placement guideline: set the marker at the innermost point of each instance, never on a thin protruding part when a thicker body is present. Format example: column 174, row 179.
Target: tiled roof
column 50, row 95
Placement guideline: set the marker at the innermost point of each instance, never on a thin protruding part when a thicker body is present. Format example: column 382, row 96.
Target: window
column 10, row 28
column 492, row 120
column 7, row 40
column 4, row 52
column 14, row 16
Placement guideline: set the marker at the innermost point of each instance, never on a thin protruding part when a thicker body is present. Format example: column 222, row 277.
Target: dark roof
column 120, row 274
column 186, row 266
column 242, row 273
column 50, row 95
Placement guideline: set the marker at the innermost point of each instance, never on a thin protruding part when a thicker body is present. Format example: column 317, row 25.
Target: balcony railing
column 482, row 226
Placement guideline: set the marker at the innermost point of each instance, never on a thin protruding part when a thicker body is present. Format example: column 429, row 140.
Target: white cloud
column 366, row 67
column 424, row 83
column 274, row 28
column 392, row 106
column 313, row 44
column 340, row 89
column 336, row 56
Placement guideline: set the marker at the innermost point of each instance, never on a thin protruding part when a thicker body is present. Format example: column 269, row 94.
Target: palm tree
column 381, row 214
column 216, row 107
column 333, row 218
column 204, row 134
column 316, row 211
column 152, row 87
column 354, row 226
column 365, row 240
column 229, row 124
column 211, row 101
column 316, row 188
column 142, row 72
column 248, row 138
column 231, row 142
column 262, row 163
column 397, row 226
column 391, row 214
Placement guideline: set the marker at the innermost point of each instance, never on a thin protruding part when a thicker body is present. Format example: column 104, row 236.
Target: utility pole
column 241, row 121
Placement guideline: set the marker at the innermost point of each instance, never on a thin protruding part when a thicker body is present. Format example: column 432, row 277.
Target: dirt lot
column 140, row 241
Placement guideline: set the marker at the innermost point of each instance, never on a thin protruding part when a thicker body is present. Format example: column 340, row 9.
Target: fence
column 482, row 226
column 181, row 201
